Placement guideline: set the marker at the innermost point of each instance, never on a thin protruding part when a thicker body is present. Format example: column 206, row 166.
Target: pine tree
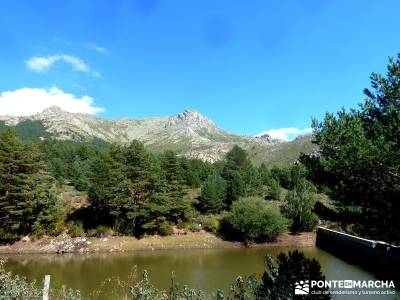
column 241, row 177
column 212, row 194
column 11, row 179
column 26, row 190
column 173, row 189
column 144, row 184
column 109, row 191
column 190, row 172
column 359, row 155
column 300, row 201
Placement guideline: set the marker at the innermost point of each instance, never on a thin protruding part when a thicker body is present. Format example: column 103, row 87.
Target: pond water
column 207, row 269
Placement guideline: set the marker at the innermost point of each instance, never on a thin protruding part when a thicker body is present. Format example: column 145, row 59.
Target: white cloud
column 97, row 48
column 41, row 64
column 29, row 101
column 286, row 134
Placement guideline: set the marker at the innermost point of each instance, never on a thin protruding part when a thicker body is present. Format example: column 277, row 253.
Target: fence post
column 46, row 287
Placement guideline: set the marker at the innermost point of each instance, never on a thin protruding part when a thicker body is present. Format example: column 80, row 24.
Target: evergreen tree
column 234, row 186
column 144, row 184
column 267, row 179
column 190, row 172
column 11, row 180
column 236, row 159
column 109, row 191
column 274, row 190
column 79, row 173
column 241, row 177
column 212, row 194
column 359, row 155
column 278, row 281
column 26, row 191
column 299, row 205
column 173, row 192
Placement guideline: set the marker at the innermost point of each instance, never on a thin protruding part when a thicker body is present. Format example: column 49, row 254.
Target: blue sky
column 249, row 65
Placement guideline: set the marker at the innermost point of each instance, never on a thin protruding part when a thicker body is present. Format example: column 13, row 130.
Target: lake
column 208, row 269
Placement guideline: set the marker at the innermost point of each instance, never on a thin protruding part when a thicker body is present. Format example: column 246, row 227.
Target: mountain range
column 188, row 133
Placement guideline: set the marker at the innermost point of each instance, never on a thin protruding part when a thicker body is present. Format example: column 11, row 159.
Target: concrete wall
column 380, row 258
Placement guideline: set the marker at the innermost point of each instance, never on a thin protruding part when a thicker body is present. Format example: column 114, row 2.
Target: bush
column 209, row 223
column 274, row 190
column 100, row 231
column 16, row 287
column 277, row 282
column 253, row 219
column 165, row 229
column 76, row 230
column 182, row 225
column 194, row 227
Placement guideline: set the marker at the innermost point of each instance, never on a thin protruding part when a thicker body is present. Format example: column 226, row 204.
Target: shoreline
column 196, row 240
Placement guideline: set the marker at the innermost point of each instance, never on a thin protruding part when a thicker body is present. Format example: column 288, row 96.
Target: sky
column 251, row 66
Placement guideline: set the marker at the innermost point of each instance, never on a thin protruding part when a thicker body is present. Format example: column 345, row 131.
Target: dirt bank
column 203, row 240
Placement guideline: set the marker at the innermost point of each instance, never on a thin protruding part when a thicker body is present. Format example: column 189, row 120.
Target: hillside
column 188, row 133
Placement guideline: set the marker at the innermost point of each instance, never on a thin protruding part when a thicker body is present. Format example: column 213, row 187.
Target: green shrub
column 274, row 190
column 182, row 225
column 16, row 287
column 165, row 229
column 194, row 227
column 253, row 219
column 209, row 223
column 76, row 230
column 100, row 231
column 277, row 282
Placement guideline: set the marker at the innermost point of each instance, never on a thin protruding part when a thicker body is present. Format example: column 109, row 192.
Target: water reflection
column 208, row 269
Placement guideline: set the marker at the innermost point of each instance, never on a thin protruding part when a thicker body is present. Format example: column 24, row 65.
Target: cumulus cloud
column 97, row 48
column 41, row 64
column 286, row 134
column 29, row 101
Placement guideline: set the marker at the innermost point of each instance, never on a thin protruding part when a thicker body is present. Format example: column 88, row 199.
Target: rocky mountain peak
column 189, row 133
column 195, row 118
column 266, row 137
column 52, row 110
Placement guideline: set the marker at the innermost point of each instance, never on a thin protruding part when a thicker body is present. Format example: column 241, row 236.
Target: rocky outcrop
column 189, row 133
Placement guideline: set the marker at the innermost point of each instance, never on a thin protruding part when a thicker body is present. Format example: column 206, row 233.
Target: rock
column 26, row 239
column 208, row 141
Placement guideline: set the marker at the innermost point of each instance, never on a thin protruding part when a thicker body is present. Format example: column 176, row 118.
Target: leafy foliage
column 277, row 283
column 16, row 287
column 253, row 219
column 359, row 156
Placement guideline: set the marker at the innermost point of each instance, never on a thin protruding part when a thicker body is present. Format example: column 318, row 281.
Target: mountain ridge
column 188, row 133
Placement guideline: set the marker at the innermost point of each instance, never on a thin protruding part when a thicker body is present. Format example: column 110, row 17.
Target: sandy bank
column 198, row 240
